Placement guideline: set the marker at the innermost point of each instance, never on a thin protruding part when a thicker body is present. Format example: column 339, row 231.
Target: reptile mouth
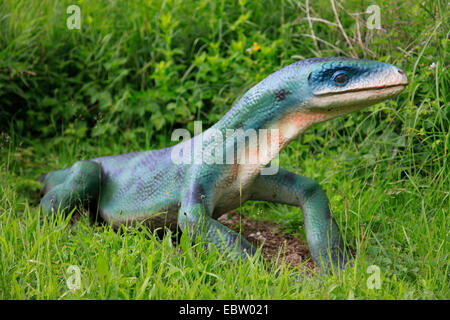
column 400, row 87
column 346, row 101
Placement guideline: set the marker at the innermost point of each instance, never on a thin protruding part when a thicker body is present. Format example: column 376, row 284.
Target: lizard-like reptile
column 212, row 177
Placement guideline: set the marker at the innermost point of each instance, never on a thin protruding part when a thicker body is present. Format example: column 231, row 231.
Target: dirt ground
column 276, row 244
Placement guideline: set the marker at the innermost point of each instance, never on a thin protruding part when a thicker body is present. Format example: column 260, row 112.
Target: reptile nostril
column 401, row 72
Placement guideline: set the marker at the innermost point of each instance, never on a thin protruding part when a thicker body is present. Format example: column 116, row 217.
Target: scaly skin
column 151, row 187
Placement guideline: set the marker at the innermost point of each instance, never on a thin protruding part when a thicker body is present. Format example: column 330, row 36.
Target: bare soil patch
column 277, row 245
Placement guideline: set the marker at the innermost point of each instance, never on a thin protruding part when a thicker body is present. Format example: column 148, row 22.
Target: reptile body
column 215, row 176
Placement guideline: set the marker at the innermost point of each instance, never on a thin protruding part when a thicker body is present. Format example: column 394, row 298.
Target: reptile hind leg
column 322, row 233
column 78, row 187
column 52, row 179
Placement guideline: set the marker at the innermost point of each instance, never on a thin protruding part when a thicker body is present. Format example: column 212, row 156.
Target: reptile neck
column 264, row 133
column 252, row 112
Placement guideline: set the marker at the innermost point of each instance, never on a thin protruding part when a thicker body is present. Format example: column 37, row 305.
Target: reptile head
column 339, row 85
column 318, row 89
column 314, row 90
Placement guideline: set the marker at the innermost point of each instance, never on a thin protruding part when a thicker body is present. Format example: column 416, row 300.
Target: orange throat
column 279, row 134
column 296, row 123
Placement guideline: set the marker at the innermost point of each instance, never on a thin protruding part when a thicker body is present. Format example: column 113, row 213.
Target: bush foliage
column 149, row 66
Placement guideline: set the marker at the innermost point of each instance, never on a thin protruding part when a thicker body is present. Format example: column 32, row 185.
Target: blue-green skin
column 149, row 187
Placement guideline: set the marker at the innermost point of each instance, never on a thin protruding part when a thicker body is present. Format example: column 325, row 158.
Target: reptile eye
column 340, row 78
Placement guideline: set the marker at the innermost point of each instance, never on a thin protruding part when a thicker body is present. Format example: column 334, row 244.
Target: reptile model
column 215, row 176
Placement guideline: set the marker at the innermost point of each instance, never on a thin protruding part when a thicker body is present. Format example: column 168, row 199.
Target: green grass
column 136, row 71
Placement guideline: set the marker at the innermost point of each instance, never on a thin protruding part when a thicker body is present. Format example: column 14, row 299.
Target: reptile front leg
column 322, row 233
column 195, row 218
